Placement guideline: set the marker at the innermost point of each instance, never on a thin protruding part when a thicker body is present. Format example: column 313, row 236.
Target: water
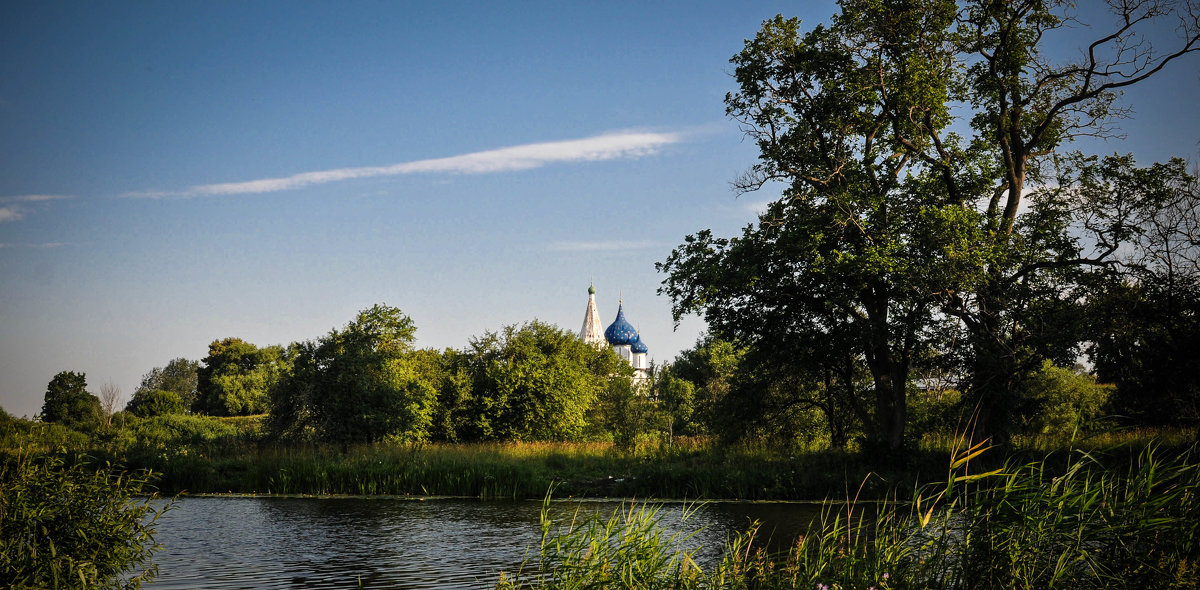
column 393, row 543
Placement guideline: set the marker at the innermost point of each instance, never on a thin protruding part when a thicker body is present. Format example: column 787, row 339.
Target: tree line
column 367, row 382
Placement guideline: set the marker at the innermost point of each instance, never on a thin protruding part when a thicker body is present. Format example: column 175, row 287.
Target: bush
column 172, row 430
column 71, row 525
column 155, row 402
column 1061, row 400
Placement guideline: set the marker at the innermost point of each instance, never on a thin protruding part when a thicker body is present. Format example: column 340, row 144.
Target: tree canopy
column 68, row 402
column 180, row 376
column 904, row 135
column 531, row 382
column 236, row 377
column 361, row 383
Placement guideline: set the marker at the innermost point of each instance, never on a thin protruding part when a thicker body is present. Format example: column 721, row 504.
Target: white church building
column 620, row 335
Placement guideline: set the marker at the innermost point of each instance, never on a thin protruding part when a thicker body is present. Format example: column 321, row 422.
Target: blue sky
column 177, row 172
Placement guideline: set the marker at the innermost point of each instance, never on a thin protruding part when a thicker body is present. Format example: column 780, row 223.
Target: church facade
column 624, row 339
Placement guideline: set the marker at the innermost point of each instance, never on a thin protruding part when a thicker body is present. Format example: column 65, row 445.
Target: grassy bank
column 231, row 455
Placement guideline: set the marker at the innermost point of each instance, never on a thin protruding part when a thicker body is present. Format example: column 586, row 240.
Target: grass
column 1077, row 524
column 200, row 454
column 508, row 470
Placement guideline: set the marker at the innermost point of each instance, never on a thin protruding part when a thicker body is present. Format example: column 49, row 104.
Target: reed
column 1023, row 525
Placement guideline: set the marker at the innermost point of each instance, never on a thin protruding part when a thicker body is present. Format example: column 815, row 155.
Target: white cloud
column 41, row 245
column 602, row 246
column 32, row 198
column 10, row 214
column 625, row 144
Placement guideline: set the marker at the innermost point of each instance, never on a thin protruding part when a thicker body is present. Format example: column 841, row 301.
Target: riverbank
column 196, row 454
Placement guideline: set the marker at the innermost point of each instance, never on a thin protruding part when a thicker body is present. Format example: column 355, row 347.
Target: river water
column 272, row 542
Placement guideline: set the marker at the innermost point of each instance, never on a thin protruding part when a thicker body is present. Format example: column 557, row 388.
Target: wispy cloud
column 41, row 245
column 602, row 246
column 32, row 198
column 15, row 212
column 625, row 144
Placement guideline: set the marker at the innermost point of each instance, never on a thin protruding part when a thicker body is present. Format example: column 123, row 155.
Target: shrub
column 71, row 525
column 155, row 402
column 171, row 430
column 1061, row 399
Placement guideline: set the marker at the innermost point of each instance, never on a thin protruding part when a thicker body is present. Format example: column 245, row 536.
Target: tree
column 678, row 397
column 710, row 367
column 892, row 221
column 1057, row 400
column 1026, row 108
column 1144, row 322
column 625, row 412
column 236, row 376
column 363, row 383
column 864, row 230
column 532, row 382
column 110, row 395
column 180, row 376
column 68, row 402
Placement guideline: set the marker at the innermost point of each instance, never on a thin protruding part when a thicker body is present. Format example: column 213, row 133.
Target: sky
column 173, row 173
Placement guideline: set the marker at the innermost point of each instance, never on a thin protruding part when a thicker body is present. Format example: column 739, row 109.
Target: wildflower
column 885, row 575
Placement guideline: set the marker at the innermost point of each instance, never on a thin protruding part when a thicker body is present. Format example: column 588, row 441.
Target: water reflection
column 393, row 543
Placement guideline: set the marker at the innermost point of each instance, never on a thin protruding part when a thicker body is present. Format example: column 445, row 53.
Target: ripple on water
column 315, row 543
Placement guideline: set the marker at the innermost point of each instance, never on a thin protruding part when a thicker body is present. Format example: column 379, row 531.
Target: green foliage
column 363, row 383
column 1061, row 401
column 710, row 367
column 68, row 402
column 628, row 549
column 896, row 225
column 1025, row 525
column 626, row 411
column 846, row 264
column 533, row 382
column 678, row 398
column 154, row 402
column 173, row 431
column 74, row 525
column 937, row 413
column 180, row 376
column 236, row 376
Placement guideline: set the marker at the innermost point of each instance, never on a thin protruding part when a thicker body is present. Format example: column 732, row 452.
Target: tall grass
column 1023, row 525
column 201, row 454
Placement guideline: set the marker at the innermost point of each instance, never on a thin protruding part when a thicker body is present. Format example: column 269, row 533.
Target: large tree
column 535, row 381
column 893, row 218
column 363, row 383
column 864, row 231
column 1145, row 322
column 1025, row 109
column 236, row 377
column 68, row 402
column 180, row 376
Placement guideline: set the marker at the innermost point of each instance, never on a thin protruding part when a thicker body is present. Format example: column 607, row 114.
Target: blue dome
column 621, row 332
column 639, row 347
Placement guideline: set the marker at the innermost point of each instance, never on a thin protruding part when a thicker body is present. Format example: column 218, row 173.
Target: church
column 620, row 335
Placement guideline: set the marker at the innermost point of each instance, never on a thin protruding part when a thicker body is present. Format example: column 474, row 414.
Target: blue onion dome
column 621, row 332
column 639, row 347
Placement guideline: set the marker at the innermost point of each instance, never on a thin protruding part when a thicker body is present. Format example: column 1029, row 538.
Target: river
column 272, row 542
